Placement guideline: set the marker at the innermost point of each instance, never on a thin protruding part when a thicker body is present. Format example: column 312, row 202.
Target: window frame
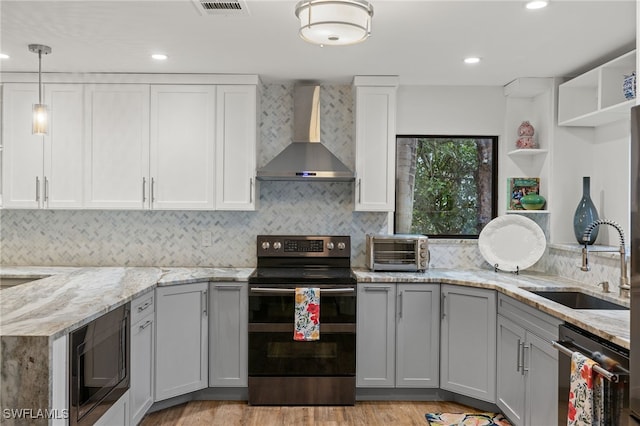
column 494, row 177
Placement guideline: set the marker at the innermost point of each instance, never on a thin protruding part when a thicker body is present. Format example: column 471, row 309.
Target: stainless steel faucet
column 624, row 286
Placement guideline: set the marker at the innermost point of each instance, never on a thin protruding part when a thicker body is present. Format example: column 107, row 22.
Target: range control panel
column 304, row 246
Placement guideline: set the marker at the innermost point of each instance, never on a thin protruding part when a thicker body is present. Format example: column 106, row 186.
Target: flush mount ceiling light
column 40, row 115
column 537, row 4
column 471, row 60
column 334, row 22
column 4, row 56
column 159, row 56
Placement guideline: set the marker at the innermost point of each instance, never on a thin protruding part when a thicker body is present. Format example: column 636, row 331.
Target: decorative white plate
column 512, row 242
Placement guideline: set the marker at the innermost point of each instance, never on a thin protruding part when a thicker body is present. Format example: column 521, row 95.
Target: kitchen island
column 35, row 314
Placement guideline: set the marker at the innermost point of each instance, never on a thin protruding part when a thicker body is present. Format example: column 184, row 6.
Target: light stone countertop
column 71, row 297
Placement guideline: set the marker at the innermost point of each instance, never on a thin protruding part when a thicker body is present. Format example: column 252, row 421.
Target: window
column 446, row 186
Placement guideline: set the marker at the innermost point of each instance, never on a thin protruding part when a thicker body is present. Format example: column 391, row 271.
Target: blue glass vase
column 585, row 214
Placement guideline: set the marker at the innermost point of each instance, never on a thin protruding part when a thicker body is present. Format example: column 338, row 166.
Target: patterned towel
column 586, row 405
column 307, row 314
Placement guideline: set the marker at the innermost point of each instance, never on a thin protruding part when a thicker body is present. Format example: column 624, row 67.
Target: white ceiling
column 422, row 41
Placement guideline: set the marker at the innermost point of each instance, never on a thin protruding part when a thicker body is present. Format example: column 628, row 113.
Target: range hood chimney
column 306, row 158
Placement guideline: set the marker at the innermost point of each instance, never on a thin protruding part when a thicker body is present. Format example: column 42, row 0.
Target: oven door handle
column 612, row 377
column 293, row 290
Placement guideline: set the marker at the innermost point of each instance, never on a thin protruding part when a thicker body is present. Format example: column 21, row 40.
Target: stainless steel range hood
column 306, row 158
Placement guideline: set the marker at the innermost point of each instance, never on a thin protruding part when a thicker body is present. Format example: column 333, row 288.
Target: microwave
column 397, row 252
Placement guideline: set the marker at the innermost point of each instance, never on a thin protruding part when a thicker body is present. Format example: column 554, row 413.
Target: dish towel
column 586, row 405
column 307, row 314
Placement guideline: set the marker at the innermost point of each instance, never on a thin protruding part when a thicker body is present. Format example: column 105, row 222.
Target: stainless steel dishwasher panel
column 572, row 339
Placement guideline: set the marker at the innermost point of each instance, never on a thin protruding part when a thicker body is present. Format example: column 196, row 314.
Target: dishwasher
column 614, row 367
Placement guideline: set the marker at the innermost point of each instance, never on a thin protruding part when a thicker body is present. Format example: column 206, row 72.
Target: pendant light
column 40, row 113
column 334, row 22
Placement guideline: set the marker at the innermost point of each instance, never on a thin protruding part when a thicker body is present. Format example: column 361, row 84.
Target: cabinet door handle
column 206, row 303
column 144, row 190
column 37, row 189
column 46, row 189
column 145, row 325
column 442, row 306
column 525, row 368
column 518, row 366
column 400, row 303
column 359, row 190
column 153, row 190
column 250, row 190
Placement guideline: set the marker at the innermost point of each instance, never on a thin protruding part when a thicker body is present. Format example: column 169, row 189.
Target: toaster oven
column 397, row 252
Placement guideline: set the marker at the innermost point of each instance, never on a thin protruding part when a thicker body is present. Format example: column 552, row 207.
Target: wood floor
column 237, row 413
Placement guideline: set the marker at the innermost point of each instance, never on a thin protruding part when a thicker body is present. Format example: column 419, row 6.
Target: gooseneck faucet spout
column 624, row 286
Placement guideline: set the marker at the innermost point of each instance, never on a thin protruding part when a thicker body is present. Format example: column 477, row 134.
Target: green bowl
column 532, row 202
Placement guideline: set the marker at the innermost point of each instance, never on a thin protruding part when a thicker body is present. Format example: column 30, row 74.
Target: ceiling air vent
column 219, row 7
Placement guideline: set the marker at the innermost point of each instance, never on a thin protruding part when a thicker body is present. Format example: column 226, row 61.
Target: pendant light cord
column 40, row 76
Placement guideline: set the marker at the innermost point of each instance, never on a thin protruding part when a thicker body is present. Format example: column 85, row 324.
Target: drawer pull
column 145, row 325
column 145, row 305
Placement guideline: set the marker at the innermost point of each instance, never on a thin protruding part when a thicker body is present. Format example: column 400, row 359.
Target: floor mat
column 464, row 419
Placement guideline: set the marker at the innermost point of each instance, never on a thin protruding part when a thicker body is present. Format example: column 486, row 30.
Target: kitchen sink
column 577, row 300
column 12, row 282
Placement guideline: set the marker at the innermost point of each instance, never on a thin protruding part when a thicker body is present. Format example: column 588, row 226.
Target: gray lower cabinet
column 181, row 339
column 468, row 342
column 397, row 335
column 527, row 373
column 142, row 356
column 228, row 322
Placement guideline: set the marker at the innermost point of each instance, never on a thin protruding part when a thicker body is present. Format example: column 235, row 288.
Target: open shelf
column 527, row 152
column 597, row 97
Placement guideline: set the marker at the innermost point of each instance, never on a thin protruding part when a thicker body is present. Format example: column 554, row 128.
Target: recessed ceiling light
column 537, row 4
column 471, row 60
column 159, row 56
column 4, row 56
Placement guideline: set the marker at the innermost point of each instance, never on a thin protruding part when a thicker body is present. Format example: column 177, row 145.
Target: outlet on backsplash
column 206, row 238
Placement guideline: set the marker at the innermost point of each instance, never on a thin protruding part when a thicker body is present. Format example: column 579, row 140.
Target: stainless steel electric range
column 284, row 371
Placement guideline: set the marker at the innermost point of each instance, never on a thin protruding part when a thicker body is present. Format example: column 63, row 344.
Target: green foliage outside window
column 454, row 185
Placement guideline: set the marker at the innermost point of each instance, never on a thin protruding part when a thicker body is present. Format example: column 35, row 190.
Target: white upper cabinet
column 117, row 146
column 22, row 152
column 236, row 147
column 375, row 123
column 42, row 171
column 64, row 146
column 597, row 97
column 182, row 147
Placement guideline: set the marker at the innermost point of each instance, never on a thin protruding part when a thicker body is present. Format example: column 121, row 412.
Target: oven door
column 272, row 350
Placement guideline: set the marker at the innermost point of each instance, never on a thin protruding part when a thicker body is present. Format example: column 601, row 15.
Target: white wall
column 453, row 110
column 603, row 154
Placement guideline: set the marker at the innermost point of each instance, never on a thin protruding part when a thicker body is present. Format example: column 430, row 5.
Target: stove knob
column 341, row 246
column 330, row 245
column 277, row 245
column 265, row 245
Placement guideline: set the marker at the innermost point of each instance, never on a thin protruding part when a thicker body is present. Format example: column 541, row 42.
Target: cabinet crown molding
column 130, row 78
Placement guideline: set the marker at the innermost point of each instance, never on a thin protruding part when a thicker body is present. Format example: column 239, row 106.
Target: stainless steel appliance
column 634, row 265
column 614, row 367
column 283, row 371
column 397, row 252
column 98, row 366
